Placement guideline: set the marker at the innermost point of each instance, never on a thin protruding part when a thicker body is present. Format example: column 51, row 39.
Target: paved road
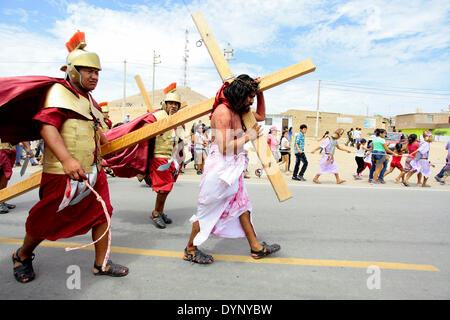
column 329, row 236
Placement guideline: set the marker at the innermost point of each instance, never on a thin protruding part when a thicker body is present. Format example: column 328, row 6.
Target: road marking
column 235, row 258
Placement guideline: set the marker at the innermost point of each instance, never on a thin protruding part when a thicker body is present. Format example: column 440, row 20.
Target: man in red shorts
column 69, row 121
column 165, row 165
column 158, row 160
column 7, row 158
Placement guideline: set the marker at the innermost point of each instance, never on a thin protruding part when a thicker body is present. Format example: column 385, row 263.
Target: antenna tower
column 185, row 58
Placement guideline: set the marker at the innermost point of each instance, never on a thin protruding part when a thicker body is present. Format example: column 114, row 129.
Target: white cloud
column 403, row 44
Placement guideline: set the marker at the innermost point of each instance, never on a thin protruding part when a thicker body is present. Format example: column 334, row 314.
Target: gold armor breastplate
column 80, row 136
column 6, row 145
column 165, row 142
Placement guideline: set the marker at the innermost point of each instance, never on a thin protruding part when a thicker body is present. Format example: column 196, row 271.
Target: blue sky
column 379, row 57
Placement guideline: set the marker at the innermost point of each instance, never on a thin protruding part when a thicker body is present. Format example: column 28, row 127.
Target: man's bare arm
column 260, row 114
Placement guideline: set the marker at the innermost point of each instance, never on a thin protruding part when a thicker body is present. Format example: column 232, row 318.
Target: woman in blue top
column 379, row 150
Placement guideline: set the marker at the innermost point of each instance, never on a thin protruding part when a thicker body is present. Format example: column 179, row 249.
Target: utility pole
column 124, row 88
column 317, row 112
column 155, row 62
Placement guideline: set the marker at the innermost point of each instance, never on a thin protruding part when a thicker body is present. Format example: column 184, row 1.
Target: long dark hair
column 238, row 91
column 412, row 138
column 379, row 131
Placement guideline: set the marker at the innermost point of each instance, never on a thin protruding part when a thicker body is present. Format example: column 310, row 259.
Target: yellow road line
column 234, row 258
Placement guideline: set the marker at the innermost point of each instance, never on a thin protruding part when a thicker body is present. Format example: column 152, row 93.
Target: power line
column 400, row 94
column 384, row 88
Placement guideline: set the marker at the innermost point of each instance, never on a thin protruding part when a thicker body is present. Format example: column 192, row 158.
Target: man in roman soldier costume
column 158, row 160
column 105, row 111
column 69, row 120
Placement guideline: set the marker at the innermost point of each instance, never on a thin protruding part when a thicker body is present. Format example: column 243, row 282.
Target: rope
column 108, row 229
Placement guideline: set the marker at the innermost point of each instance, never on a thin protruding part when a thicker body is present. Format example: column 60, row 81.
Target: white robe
column 223, row 196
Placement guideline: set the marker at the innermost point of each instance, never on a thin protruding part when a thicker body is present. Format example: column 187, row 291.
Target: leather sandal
column 198, row 257
column 158, row 221
column 115, row 270
column 25, row 272
column 265, row 251
column 165, row 218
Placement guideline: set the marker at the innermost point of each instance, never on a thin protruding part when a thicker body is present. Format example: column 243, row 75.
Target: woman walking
column 379, row 150
column 285, row 150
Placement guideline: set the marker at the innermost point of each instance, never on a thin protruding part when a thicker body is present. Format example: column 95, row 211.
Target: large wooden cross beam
column 154, row 129
column 144, row 93
column 263, row 151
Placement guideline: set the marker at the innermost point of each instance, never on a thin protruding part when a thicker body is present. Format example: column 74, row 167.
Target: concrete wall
column 420, row 120
column 332, row 121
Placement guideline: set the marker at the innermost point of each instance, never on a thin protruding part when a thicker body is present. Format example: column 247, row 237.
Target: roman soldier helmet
column 78, row 57
column 170, row 94
column 104, row 106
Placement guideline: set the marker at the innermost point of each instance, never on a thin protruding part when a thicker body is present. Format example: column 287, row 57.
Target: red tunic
column 7, row 159
column 162, row 181
column 43, row 221
column 133, row 160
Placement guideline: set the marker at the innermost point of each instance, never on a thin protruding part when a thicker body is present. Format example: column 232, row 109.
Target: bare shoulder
column 221, row 117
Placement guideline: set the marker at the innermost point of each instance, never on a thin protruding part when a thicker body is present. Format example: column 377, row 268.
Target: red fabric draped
column 220, row 99
column 20, row 100
column 133, row 160
column 44, row 222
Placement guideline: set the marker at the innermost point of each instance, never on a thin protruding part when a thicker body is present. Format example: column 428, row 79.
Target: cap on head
column 78, row 57
column 338, row 133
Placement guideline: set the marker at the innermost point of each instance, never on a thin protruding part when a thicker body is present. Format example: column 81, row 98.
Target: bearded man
column 224, row 208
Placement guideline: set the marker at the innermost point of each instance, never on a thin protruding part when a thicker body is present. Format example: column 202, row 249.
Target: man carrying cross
column 224, row 208
column 69, row 121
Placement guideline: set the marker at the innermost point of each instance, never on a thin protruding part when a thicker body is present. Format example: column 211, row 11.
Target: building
column 417, row 123
column 423, row 120
column 277, row 120
column 329, row 121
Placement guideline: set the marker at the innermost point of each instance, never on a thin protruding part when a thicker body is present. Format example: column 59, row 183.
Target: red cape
column 133, row 160
column 220, row 99
column 20, row 100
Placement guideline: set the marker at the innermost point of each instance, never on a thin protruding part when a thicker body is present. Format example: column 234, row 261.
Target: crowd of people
column 373, row 153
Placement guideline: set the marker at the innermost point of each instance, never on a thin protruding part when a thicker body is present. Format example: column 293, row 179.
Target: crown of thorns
column 251, row 85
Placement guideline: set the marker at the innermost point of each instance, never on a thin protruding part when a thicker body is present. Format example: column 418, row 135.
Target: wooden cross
column 182, row 116
column 144, row 93
column 263, row 151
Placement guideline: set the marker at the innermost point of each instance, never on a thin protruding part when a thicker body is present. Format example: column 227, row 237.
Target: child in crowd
column 396, row 163
column 325, row 135
column 285, row 150
column 420, row 163
column 273, row 142
column 360, row 156
column 446, row 170
column 327, row 162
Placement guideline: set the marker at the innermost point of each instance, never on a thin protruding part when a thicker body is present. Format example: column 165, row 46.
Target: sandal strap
column 201, row 257
column 114, row 268
column 26, row 261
